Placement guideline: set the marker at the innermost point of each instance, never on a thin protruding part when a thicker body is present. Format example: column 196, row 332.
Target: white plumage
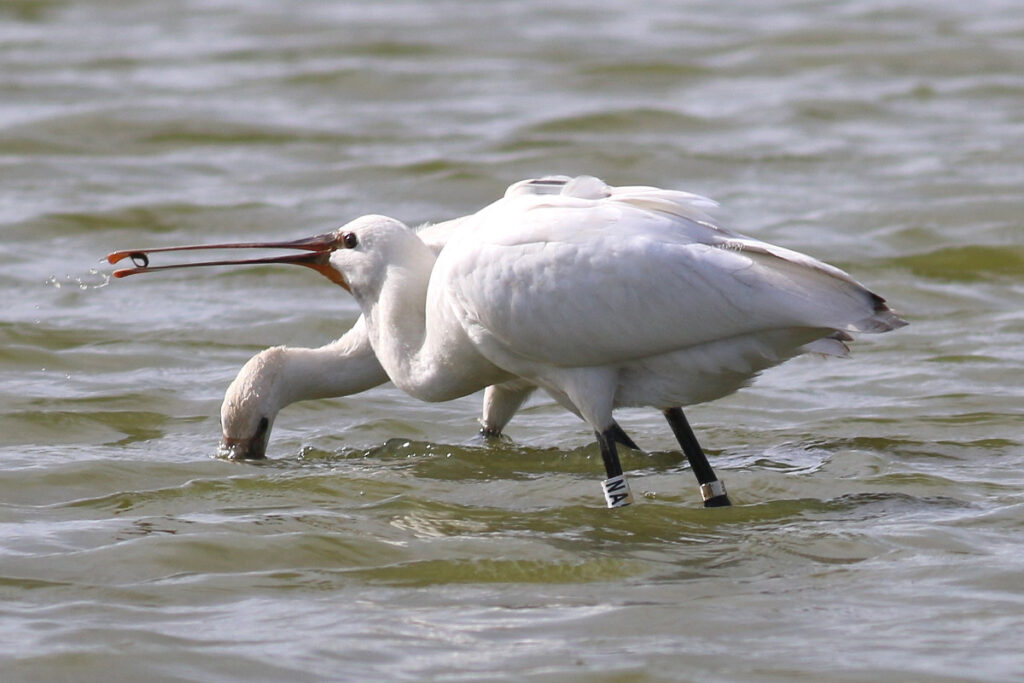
column 279, row 376
column 603, row 296
column 619, row 290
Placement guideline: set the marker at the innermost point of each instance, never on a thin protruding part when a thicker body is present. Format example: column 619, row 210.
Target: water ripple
column 878, row 508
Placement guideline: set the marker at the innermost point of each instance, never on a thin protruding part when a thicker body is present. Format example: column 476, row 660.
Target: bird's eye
column 349, row 240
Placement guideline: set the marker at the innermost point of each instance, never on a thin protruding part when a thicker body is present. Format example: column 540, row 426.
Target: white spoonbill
column 603, row 296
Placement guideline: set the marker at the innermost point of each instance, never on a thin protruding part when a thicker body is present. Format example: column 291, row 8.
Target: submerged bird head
column 250, row 406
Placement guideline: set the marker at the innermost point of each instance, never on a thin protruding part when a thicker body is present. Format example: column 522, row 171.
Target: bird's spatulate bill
column 319, row 246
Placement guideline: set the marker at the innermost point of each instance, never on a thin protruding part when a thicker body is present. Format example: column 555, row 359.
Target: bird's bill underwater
column 319, row 248
column 254, row 448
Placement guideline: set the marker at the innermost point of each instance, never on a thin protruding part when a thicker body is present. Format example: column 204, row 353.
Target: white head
column 250, row 406
column 373, row 249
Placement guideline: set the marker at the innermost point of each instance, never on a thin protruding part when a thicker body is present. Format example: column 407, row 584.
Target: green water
column 878, row 517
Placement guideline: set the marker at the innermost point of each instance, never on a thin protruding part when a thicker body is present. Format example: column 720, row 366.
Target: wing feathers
column 596, row 275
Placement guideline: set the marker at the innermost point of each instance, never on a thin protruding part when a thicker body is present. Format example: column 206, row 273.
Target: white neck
column 345, row 366
column 424, row 353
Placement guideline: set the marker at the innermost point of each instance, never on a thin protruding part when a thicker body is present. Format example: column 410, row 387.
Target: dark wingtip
column 884, row 318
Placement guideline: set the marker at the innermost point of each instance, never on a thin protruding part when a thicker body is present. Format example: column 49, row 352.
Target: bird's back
column 598, row 275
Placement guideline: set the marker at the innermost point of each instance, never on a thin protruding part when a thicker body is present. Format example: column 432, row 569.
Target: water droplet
column 83, row 283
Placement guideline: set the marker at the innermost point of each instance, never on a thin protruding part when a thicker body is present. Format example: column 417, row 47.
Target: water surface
column 879, row 508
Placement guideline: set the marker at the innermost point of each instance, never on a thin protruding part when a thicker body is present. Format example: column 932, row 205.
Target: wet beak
column 318, row 248
column 242, row 449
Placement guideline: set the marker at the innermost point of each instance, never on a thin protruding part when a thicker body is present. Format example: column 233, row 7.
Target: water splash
column 94, row 280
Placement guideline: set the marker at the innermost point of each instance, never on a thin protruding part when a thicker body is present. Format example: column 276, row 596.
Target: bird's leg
column 712, row 490
column 615, row 487
column 620, row 435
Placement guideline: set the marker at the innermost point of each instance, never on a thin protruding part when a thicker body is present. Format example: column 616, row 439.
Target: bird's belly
column 707, row 371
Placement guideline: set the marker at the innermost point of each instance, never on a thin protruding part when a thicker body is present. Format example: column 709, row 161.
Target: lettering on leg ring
column 616, row 491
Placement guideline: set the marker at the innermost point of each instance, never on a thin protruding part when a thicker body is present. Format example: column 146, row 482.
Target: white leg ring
column 712, row 489
column 616, row 491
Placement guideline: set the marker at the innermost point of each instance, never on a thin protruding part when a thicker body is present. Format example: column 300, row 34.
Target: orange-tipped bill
column 318, row 258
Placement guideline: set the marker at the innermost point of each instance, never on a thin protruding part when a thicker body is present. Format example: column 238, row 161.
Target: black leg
column 616, row 488
column 622, row 437
column 711, row 488
column 610, row 454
